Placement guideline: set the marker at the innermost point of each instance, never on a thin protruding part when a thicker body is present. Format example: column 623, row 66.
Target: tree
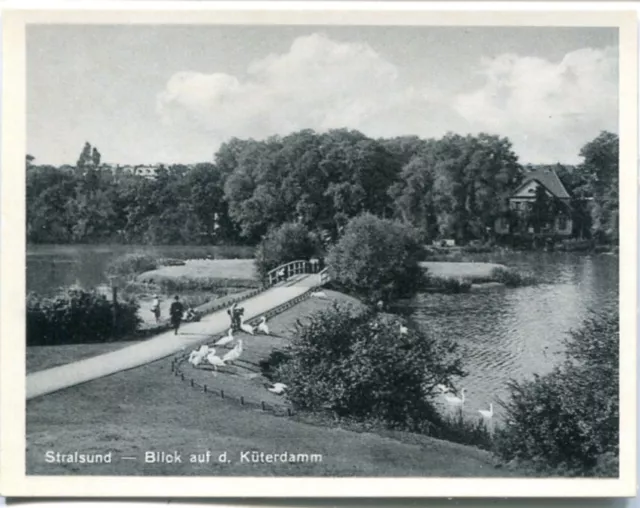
column 95, row 157
column 85, row 157
column 377, row 259
column 288, row 242
column 601, row 165
column 356, row 365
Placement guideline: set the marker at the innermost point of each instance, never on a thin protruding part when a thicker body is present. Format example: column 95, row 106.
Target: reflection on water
column 514, row 333
column 50, row 267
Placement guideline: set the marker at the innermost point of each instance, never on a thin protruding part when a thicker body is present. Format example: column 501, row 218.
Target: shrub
column 377, row 259
column 132, row 264
column 78, row 316
column 566, row 422
column 357, row 365
column 288, row 242
column 512, row 278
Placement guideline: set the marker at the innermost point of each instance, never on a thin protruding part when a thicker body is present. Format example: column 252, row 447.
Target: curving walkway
column 164, row 344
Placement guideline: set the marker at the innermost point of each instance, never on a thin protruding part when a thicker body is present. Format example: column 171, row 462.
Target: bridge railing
column 297, row 267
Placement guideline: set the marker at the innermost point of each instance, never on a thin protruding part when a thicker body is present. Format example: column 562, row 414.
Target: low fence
column 276, row 409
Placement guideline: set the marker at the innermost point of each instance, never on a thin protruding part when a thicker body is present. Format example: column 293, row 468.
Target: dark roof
column 549, row 179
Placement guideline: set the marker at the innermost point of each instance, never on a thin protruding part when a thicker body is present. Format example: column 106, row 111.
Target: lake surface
column 50, row 267
column 503, row 332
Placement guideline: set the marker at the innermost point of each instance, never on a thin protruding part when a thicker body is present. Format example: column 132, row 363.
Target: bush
column 78, row 316
column 132, row 264
column 512, row 278
column 377, row 259
column 357, row 365
column 289, row 242
column 566, row 422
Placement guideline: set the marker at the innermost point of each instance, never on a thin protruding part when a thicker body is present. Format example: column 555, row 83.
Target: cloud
column 548, row 109
column 318, row 83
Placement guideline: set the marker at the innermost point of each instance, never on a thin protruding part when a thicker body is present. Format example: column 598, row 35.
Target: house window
column 562, row 223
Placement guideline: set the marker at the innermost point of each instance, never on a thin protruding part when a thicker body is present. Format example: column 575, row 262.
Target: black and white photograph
column 340, row 247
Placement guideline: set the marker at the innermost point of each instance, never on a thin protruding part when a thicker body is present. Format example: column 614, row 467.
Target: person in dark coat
column 176, row 311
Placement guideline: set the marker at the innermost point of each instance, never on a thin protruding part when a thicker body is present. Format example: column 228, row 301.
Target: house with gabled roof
column 521, row 200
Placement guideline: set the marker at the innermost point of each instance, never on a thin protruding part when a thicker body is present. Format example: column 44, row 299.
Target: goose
column 234, row 354
column 277, row 388
column 214, row 360
column 247, row 328
column 226, row 339
column 485, row 413
column 456, row 401
column 403, row 329
column 263, row 327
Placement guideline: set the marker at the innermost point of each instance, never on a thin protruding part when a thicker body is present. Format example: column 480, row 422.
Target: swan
column 214, row 360
column 485, row 413
column 246, row 328
column 277, row 388
column 196, row 356
column 319, row 294
column 263, row 327
column 234, row 354
column 403, row 329
column 456, row 401
column 226, row 339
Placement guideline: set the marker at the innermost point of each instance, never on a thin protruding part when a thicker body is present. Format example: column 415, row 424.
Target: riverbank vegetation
column 78, row 316
column 566, row 423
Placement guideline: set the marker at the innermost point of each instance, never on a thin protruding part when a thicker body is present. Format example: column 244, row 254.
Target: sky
column 173, row 94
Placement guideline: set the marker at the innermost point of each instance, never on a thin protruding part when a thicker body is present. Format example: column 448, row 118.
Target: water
column 50, row 267
column 503, row 332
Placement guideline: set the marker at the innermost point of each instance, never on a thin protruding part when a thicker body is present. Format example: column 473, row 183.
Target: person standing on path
column 176, row 311
column 155, row 308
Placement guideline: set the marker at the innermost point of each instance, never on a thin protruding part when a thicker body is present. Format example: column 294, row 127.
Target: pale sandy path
column 162, row 345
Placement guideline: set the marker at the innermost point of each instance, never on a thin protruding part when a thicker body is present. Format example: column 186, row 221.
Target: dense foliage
column 377, row 259
column 453, row 187
column 566, row 422
column 288, row 242
column 78, row 316
column 357, row 365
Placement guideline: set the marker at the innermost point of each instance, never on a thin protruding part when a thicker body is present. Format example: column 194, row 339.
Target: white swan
column 278, row 388
column 403, row 329
column 456, row 401
column 196, row 356
column 226, row 339
column 263, row 327
column 247, row 328
column 235, row 353
column 485, row 413
column 214, row 360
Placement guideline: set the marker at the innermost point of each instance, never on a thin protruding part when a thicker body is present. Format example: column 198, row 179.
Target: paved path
column 162, row 345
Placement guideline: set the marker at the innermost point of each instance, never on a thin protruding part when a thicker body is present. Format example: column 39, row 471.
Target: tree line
column 452, row 187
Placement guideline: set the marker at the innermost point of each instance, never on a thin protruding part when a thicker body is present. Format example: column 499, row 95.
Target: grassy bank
column 179, row 417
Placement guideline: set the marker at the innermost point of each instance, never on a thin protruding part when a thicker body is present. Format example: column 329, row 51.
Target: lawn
column 148, row 408
column 476, row 272
column 204, row 269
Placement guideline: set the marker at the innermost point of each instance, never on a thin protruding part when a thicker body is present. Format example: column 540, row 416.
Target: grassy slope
column 479, row 271
column 149, row 409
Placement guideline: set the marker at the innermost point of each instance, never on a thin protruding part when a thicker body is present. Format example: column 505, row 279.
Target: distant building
column 522, row 199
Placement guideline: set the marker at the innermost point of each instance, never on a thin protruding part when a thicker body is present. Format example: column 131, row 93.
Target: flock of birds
column 209, row 354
